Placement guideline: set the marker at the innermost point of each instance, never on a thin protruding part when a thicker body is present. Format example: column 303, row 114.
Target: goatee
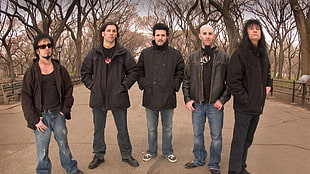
column 47, row 57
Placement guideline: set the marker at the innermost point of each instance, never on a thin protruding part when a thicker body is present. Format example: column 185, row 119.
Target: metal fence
column 292, row 92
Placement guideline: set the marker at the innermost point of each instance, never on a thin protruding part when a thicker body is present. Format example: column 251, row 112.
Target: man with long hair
column 249, row 82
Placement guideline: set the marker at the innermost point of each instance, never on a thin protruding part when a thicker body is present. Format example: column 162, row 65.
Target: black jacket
column 31, row 92
column 248, row 77
column 109, row 84
column 193, row 78
column 161, row 71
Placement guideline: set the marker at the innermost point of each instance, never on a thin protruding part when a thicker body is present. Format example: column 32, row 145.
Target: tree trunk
column 302, row 26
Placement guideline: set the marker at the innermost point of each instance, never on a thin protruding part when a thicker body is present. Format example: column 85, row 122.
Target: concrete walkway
column 281, row 144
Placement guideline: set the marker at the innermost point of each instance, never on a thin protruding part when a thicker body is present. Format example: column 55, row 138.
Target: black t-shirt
column 50, row 97
column 207, row 61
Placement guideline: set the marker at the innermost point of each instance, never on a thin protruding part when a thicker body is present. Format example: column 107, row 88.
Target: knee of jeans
column 216, row 137
column 198, row 141
column 151, row 127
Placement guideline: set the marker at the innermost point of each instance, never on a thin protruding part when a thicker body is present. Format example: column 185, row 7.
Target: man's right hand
column 41, row 126
column 189, row 105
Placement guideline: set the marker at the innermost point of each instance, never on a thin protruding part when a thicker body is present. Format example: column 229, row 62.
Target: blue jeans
column 120, row 119
column 56, row 123
column 215, row 118
column 152, row 124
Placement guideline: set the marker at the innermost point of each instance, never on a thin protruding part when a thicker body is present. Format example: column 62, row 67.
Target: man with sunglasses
column 205, row 93
column 46, row 102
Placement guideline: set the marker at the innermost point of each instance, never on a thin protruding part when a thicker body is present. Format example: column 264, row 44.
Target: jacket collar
column 160, row 47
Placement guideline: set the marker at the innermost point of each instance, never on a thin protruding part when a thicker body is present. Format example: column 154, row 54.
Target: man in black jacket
column 161, row 69
column 46, row 102
column 109, row 71
column 249, row 82
column 205, row 93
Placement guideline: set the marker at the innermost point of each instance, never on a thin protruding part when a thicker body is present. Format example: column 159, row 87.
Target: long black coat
column 248, row 76
column 109, row 84
column 161, row 72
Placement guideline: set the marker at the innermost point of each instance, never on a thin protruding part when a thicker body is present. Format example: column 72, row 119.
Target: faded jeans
column 215, row 119
column 56, row 123
column 152, row 124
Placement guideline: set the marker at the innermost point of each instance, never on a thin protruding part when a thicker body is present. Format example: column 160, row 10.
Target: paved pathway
column 281, row 144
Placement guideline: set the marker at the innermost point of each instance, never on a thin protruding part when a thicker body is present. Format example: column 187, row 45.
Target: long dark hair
column 246, row 42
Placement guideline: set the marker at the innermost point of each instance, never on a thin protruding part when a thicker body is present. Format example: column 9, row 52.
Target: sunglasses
column 49, row 45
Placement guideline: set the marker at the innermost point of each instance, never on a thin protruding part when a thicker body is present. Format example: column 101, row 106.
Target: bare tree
column 82, row 12
column 277, row 19
column 6, row 42
column 40, row 16
column 303, row 26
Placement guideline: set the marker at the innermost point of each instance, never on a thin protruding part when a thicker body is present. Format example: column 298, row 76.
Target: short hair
column 40, row 37
column 160, row 26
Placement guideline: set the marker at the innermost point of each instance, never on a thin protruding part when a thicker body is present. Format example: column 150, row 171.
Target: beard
column 47, row 57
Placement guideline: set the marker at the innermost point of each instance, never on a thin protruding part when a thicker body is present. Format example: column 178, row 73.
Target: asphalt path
column 281, row 144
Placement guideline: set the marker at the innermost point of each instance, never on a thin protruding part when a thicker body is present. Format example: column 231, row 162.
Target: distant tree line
column 75, row 27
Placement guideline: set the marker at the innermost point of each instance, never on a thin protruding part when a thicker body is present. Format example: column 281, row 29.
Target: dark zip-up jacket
column 248, row 77
column 31, row 92
column 193, row 78
column 161, row 72
column 109, row 84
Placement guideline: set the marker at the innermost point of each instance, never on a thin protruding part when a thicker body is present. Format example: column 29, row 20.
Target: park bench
column 11, row 92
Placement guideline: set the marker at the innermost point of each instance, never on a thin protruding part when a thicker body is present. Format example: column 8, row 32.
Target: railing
column 11, row 91
column 292, row 91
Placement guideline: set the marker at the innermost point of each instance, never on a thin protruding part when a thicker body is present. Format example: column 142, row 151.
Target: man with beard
column 46, row 102
column 161, row 69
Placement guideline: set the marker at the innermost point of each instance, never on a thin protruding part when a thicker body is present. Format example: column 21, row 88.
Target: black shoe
column 213, row 171
column 244, row 171
column 190, row 165
column 95, row 162
column 78, row 172
column 131, row 161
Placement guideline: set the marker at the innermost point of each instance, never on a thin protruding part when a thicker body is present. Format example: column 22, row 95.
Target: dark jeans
column 120, row 119
column 244, row 129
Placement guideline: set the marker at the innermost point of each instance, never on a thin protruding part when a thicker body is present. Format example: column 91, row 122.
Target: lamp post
column 59, row 51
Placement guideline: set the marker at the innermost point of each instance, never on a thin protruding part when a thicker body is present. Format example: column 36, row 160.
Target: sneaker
column 171, row 158
column 147, row 157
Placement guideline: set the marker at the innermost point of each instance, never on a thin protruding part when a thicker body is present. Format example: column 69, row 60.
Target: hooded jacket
column 248, row 76
column 109, row 84
column 161, row 71
column 31, row 92
column 193, row 80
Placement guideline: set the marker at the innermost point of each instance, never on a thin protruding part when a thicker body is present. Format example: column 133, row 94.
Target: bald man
column 205, row 93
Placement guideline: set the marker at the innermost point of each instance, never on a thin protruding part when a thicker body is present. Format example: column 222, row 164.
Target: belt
column 48, row 111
